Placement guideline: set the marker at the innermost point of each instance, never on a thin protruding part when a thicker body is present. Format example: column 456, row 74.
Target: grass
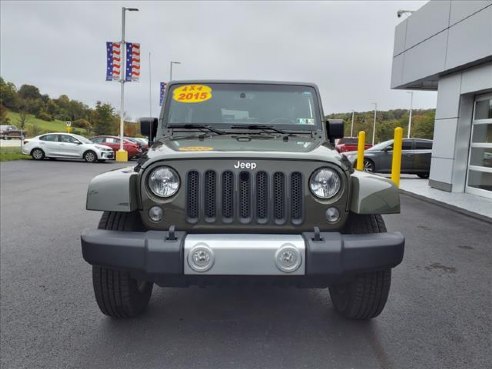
column 53, row 126
column 11, row 153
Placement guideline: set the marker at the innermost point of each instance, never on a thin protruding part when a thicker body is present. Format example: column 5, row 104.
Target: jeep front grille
column 245, row 197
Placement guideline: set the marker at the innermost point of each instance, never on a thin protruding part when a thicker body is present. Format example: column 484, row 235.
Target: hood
column 297, row 147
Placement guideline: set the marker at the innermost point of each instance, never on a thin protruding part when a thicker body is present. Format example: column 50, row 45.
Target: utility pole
column 410, row 114
column 352, row 125
column 150, row 88
column 171, row 69
column 374, row 124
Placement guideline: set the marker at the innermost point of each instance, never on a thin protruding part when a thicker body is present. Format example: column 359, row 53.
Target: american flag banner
column 132, row 62
column 163, row 89
column 114, row 60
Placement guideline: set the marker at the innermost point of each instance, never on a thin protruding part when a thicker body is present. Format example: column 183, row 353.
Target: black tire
column 423, row 175
column 37, row 154
column 369, row 165
column 90, row 156
column 118, row 295
column 365, row 296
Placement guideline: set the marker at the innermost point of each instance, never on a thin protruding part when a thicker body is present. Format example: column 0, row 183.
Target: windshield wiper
column 259, row 126
column 198, row 126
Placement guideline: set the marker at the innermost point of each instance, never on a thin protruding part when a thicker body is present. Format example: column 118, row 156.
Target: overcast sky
column 344, row 47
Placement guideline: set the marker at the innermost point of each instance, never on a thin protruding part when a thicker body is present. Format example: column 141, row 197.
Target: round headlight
column 163, row 182
column 325, row 183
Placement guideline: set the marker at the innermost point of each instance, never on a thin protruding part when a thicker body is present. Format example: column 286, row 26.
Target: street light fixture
column 374, row 124
column 400, row 12
column 171, row 69
column 121, row 154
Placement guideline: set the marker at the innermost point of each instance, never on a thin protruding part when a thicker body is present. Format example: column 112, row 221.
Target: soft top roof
column 199, row 81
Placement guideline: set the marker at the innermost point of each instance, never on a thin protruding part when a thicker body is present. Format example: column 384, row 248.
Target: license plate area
column 243, row 254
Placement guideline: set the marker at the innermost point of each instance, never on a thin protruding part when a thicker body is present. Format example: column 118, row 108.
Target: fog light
column 201, row 258
column 288, row 258
column 332, row 215
column 155, row 213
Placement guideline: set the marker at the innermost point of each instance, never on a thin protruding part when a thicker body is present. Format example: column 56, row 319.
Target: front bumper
column 106, row 155
column 163, row 258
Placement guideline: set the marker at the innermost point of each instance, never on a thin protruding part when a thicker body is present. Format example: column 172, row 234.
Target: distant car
column 134, row 150
column 142, row 142
column 66, row 145
column 416, row 157
column 8, row 131
column 349, row 144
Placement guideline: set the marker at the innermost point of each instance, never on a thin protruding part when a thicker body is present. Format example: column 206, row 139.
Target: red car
column 134, row 150
column 349, row 144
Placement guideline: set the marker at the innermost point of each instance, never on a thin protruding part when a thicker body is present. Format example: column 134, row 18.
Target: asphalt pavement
column 439, row 313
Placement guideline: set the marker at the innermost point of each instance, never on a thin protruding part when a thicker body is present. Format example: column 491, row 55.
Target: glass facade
column 479, row 179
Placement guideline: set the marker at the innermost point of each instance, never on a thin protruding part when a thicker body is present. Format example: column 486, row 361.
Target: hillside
column 35, row 126
column 387, row 121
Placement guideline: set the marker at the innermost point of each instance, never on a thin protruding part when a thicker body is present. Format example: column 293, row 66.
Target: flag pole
column 121, row 154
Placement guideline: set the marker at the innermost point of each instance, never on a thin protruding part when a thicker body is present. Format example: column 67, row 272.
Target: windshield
column 380, row 146
column 83, row 139
column 226, row 105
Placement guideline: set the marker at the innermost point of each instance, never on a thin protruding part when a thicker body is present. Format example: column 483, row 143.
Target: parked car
column 348, row 144
column 66, row 145
column 142, row 142
column 262, row 198
column 8, row 131
column 133, row 149
column 416, row 157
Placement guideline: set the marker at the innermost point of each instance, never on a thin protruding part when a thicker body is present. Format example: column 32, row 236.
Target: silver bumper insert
column 240, row 254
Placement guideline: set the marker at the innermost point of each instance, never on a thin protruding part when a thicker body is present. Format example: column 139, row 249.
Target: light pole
column 352, row 125
column 171, row 69
column 374, row 124
column 150, row 88
column 410, row 114
column 121, row 154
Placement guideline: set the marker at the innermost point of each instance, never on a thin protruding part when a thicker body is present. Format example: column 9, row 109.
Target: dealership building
column 446, row 46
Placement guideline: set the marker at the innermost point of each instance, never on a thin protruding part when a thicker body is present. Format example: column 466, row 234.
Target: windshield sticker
column 196, row 148
column 190, row 94
column 305, row 120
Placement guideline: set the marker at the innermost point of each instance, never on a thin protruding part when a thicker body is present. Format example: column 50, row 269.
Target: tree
column 29, row 92
column 8, row 95
column 3, row 115
column 22, row 119
column 103, row 119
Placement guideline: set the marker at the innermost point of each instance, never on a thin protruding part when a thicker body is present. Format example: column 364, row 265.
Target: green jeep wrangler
column 242, row 185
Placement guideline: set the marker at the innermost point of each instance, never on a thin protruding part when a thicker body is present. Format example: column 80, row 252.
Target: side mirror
column 148, row 128
column 334, row 128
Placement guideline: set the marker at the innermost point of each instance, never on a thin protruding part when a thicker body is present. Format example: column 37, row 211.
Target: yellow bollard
column 69, row 129
column 360, row 150
column 396, row 161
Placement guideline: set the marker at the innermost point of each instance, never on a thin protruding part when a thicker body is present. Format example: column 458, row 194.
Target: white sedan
column 66, row 145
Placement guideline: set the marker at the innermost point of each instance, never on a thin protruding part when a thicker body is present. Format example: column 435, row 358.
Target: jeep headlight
column 325, row 183
column 164, row 182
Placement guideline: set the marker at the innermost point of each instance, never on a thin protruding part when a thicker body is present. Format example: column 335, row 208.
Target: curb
column 456, row 209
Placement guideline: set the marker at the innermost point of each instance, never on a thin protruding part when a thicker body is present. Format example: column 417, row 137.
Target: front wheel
column 369, row 165
column 365, row 296
column 90, row 156
column 423, row 175
column 118, row 295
